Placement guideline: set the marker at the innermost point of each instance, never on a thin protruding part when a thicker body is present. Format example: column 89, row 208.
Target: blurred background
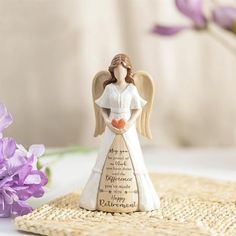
column 51, row 49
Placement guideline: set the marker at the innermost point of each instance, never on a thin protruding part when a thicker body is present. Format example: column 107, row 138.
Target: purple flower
column 19, row 177
column 225, row 17
column 191, row 9
column 5, row 118
column 168, row 30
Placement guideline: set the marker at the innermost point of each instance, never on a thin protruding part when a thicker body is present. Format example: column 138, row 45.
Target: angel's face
column 120, row 72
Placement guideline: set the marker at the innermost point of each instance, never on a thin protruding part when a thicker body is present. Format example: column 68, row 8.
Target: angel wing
column 145, row 86
column 97, row 90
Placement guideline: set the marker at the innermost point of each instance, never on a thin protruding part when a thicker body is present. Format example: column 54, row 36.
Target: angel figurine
column 119, row 181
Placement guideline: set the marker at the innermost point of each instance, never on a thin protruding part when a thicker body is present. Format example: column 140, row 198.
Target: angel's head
column 120, row 69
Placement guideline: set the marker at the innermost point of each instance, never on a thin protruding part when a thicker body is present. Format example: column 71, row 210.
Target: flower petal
column 37, row 149
column 3, row 109
column 8, row 147
column 9, row 195
column 168, row 30
column 1, row 152
column 5, row 118
column 15, row 163
column 32, row 179
column 17, row 208
column 20, row 208
column 5, row 209
column 224, row 16
column 23, row 173
column 193, row 10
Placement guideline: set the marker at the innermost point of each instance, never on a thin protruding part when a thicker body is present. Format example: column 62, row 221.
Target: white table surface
column 71, row 172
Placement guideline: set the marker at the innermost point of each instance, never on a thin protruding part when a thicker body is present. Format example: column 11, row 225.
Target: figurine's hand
column 111, row 127
column 126, row 128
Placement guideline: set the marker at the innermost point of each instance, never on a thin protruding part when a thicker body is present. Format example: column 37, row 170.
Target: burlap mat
column 189, row 206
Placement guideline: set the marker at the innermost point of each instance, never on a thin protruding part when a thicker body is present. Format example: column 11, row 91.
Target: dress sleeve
column 103, row 100
column 137, row 101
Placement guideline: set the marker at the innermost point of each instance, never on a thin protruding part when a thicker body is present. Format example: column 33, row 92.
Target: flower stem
column 72, row 149
column 222, row 40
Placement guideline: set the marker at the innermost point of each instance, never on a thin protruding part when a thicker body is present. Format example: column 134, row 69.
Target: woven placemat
column 189, row 206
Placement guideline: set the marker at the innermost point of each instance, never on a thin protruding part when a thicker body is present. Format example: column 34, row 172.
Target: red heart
column 119, row 124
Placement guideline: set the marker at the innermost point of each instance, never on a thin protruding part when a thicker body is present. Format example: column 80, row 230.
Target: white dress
column 120, row 105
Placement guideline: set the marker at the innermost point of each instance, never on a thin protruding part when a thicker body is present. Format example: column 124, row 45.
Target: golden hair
column 124, row 60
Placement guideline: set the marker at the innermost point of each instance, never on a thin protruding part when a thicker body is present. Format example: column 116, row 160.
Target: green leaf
column 39, row 165
column 48, row 174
